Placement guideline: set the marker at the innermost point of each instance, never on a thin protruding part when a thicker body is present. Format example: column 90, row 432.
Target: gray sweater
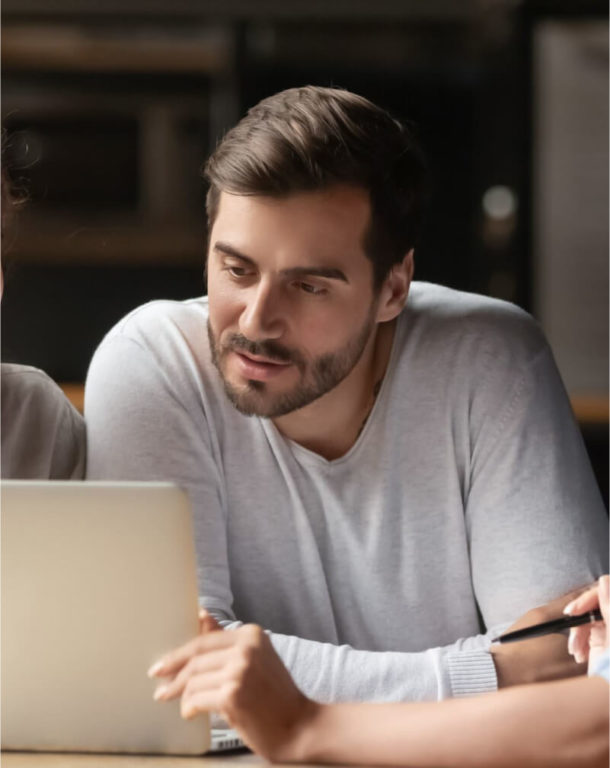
column 43, row 435
column 466, row 500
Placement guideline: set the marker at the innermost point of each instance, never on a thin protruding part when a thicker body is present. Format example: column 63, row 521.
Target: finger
column 598, row 635
column 585, row 602
column 172, row 662
column 203, row 701
column 220, row 699
column 207, row 623
column 578, row 643
column 604, row 597
column 198, row 665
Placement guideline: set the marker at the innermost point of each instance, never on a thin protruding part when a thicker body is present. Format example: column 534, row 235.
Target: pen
column 548, row 627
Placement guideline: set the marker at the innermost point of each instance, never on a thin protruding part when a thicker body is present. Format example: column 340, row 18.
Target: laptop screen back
column 98, row 581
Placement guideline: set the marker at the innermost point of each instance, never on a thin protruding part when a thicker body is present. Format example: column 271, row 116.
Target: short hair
column 310, row 138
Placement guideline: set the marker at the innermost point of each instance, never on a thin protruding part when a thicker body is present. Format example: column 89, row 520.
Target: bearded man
column 383, row 473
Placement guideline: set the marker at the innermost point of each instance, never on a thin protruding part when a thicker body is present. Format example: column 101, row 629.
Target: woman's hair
column 310, row 138
column 10, row 201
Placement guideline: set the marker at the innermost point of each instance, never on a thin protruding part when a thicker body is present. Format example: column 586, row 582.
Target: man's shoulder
column 160, row 323
column 442, row 304
column 163, row 314
column 454, row 317
column 162, row 344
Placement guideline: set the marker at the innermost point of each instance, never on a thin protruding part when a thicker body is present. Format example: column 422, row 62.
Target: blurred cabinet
column 111, row 109
column 110, row 114
column 571, row 198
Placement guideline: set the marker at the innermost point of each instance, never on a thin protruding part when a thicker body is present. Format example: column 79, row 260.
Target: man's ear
column 395, row 289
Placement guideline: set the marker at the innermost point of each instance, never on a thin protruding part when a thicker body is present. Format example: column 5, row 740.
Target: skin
column 538, row 659
column 289, row 279
column 589, row 641
column 238, row 674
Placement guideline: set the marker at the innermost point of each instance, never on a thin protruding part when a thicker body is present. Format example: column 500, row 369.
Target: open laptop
column 98, row 581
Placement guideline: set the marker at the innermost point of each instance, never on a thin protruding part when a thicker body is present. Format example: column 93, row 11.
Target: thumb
column 207, row 623
column 604, row 597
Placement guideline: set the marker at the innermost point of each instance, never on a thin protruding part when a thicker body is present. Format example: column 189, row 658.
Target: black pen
column 548, row 627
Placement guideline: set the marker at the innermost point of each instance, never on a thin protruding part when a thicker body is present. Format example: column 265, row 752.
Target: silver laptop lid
column 98, row 581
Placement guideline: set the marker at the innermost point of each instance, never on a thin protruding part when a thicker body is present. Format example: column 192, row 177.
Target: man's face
column 290, row 295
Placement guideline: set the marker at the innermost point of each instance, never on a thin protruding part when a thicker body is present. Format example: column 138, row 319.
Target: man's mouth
column 257, row 367
column 261, row 358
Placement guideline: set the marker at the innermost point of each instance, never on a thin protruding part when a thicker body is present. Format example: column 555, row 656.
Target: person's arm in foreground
column 238, row 673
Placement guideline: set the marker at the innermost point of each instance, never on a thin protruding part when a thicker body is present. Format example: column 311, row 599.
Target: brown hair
column 309, row 138
column 12, row 197
column 9, row 204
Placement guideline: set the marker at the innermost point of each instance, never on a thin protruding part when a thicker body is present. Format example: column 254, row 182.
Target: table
column 62, row 760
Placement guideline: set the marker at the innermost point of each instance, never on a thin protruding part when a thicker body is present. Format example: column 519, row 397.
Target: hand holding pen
column 550, row 627
column 591, row 640
column 586, row 617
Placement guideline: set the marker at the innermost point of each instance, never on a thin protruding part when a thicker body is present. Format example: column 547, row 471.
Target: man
column 381, row 486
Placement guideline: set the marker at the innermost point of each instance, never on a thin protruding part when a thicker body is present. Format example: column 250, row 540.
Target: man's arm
column 538, row 659
column 145, row 421
column 239, row 675
column 536, row 522
column 340, row 673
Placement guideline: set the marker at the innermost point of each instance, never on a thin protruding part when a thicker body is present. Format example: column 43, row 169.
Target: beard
column 317, row 376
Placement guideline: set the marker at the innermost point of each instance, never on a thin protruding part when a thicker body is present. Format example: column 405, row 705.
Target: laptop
column 98, row 581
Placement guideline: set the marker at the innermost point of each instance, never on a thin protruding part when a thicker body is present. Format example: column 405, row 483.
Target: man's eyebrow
column 228, row 250
column 332, row 273
column 329, row 272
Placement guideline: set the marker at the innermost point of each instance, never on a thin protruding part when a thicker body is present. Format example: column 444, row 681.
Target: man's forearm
column 327, row 672
column 538, row 659
column 331, row 673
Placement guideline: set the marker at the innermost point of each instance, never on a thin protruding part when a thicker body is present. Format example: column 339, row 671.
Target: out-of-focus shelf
column 65, row 48
column 108, row 245
column 591, row 409
column 75, row 393
column 265, row 9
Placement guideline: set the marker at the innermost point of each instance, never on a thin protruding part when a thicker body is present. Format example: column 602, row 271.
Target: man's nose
column 262, row 317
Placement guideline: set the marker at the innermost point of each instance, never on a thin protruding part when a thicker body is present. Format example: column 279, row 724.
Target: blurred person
column 383, row 473
column 42, row 434
column 561, row 723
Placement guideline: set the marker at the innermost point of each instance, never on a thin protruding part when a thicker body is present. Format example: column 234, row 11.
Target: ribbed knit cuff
column 471, row 672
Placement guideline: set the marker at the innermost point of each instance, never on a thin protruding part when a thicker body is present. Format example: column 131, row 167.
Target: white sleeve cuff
column 471, row 672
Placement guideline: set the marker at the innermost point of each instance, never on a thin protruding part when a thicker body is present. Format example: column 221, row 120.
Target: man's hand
column 539, row 658
column 238, row 674
column 591, row 640
column 207, row 623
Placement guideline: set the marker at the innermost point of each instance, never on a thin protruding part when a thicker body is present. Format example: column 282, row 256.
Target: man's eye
column 237, row 271
column 314, row 290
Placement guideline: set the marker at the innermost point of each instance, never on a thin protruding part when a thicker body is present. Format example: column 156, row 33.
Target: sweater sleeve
column 144, row 423
column 536, row 523
column 533, row 503
column 330, row 673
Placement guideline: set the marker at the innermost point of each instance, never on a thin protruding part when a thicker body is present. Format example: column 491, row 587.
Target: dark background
column 110, row 109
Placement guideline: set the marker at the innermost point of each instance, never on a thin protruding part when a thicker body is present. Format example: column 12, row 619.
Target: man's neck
column 331, row 424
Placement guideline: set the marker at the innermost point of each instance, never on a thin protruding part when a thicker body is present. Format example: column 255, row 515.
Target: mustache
column 270, row 349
